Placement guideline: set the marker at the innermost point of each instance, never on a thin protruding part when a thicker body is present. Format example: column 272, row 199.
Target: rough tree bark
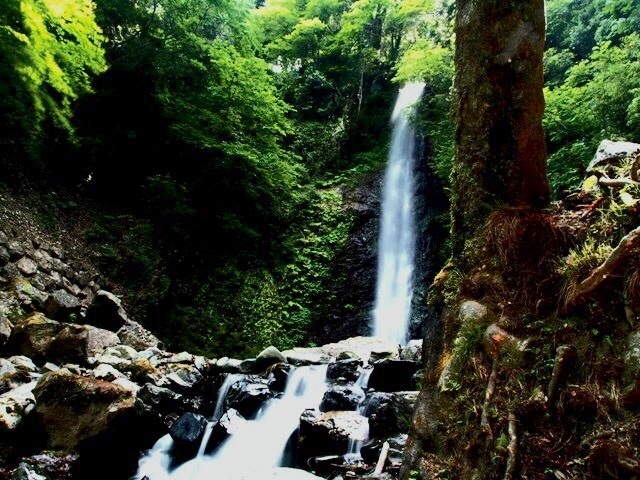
column 500, row 146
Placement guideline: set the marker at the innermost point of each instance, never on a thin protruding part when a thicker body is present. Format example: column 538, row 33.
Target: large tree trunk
column 501, row 154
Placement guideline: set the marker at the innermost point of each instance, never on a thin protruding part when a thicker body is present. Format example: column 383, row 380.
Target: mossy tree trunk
column 500, row 146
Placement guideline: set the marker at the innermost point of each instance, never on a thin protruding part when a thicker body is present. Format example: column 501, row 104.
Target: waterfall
column 259, row 443
column 394, row 289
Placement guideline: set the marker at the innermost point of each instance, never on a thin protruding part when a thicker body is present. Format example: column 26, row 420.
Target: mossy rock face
column 73, row 409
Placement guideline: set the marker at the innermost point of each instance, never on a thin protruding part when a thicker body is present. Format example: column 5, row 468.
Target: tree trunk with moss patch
column 501, row 154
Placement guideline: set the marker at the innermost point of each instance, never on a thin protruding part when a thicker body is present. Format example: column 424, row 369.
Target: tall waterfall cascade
column 261, row 444
column 396, row 246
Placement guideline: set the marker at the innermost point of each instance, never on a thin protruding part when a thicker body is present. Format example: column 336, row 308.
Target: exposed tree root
column 512, row 459
column 565, row 358
column 616, row 260
column 488, row 396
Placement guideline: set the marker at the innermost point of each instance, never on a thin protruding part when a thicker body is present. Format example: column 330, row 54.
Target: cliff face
column 352, row 293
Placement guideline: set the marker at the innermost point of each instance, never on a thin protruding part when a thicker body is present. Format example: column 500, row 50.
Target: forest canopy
column 236, row 123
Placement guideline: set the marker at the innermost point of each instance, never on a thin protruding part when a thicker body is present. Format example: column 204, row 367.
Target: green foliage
column 599, row 99
column 50, row 50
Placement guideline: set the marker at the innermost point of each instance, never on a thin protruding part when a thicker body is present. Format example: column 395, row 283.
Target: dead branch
column 488, row 396
column 611, row 265
column 512, row 459
column 565, row 358
column 616, row 182
column 382, row 459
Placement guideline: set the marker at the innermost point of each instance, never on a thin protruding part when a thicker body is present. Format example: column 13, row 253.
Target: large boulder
column 73, row 409
column 14, row 405
column 188, row 430
column 33, row 336
column 346, row 370
column 328, row 433
column 361, row 347
column 269, row 356
column 390, row 413
column 62, row 305
column 247, row 396
column 611, row 154
column 391, row 375
column 228, row 424
column 138, row 337
column 77, row 343
column 412, row 351
column 341, row 398
column 106, row 311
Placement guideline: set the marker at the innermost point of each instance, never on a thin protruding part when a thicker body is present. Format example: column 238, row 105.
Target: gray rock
column 26, row 294
column 34, row 335
column 472, row 312
column 127, row 384
column 62, row 305
column 25, row 471
column 269, row 356
column 6, row 327
column 611, row 153
column 49, row 367
column 136, row 336
column 248, row 365
column 106, row 372
column 345, row 369
column 188, row 430
column 160, row 399
column 328, row 433
column 122, row 351
column 14, row 405
column 4, row 256
column 247, row 396
column 6, row 366
column 390, row 413
column 184, row 376
column 23, row 364
column 15, row 249
column 341, row 398
column 412, row 351
column 27, row 266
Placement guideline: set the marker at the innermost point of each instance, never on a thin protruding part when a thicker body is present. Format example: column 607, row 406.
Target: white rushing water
column 259, row 443
column 394, row 289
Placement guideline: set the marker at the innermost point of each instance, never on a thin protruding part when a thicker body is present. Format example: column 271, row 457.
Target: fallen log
column 382, row 459
column 512, row 449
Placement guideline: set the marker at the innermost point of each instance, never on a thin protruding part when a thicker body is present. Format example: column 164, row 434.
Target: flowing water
column 262, row 443
column 259, row 443
column 394, row 289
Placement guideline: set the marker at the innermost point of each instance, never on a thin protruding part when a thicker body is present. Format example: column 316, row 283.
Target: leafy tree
column 49, row 52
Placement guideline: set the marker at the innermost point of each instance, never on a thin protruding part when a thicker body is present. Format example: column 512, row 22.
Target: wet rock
column 26, row 266
column 228, row 424
column 269, row 356
column 73, row 409
column 47, row 465
column 160, row 400
column 382, row 354
column 188, row 430
column 14, row 405
column 390, row 413
column 278, row 375
column 247, row 396
column 328, row 433
column 301, row 358
column 184, row 377
column 6, row 327
column 393, row 375
column 341, row 398
column 371, row 450
column 106, row 311
column 412, row 351
column 345, row 369
column 62, row 305
column 611, row 154
column 138, row 337
column 248, row 365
